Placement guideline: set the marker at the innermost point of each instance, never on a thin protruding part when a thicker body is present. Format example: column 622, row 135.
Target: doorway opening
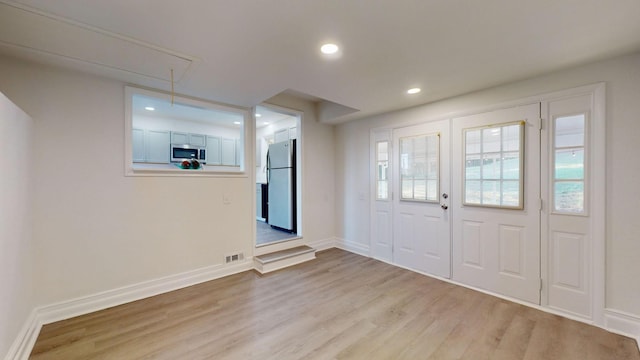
column 278, row 175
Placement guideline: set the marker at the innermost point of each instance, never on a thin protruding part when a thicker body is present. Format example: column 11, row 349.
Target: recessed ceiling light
column 266, row 123
column 237, row 122
column 258, row 115
column 329, row 49
column 413, row 91
column 150, row 108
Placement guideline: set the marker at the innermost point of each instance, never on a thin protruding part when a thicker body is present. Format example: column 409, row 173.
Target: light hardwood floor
column 341, row 306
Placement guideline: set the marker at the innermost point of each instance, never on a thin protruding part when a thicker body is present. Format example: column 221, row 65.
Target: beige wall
column 16, row 251
column 622, row 77
column 97, row 230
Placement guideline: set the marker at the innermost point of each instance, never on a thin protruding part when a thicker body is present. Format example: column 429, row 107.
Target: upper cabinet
column 213, row 151
column 151, row 146
column 157, row 149
column 137, row 142
column 228, row 152
column 188, row 139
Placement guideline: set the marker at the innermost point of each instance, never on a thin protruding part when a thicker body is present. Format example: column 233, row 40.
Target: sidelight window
column 569, row 164
column 493, row 169
column 420, row 168
column 382, row 170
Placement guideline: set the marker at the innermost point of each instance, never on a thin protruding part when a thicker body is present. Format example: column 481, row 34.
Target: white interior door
column 496, row 216
column 421, row 227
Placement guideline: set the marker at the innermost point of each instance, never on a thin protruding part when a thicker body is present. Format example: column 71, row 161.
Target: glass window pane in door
column 491, row 192
column 491, row 166
column 510, row 193
column 493, row 176
column 569, row 196
column 473, row 192
column 569, row 164
column 511, row 138
column 511, row 166
column 491, row 140
column 420, row 189
column 472, row 141
column 419, row 167
column 569, row 131
column 382, row 163
column 407, row 189
column 473, row 165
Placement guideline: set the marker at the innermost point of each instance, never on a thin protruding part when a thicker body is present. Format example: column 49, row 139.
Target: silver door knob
column 444, row 206
column 445, row 195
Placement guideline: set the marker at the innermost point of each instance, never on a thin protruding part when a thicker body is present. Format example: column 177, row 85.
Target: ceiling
column 243, row 52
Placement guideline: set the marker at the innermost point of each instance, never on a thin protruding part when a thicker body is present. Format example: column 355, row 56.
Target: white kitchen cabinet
column 197, row 140
column 137, row 144
column 228, row 150
column 157, row 146
column 281, row 135
column 179, row 137
column 213, row 151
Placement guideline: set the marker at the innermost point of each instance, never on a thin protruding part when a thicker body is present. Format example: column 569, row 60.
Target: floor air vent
column 233, row 258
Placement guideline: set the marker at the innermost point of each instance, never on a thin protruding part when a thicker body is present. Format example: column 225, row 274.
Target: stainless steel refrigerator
column 281, row 182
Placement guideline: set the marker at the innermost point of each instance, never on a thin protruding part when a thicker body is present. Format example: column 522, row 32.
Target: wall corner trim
column 622, row 323
column 22, row 345
column 26, row 339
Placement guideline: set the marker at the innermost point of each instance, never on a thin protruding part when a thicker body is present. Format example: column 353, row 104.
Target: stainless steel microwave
column 188, row 152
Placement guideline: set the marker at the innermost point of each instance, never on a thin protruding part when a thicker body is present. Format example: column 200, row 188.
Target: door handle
column 445, row 195
column 444, row 206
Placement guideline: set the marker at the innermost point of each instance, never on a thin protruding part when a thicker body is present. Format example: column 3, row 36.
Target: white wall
column 96, row 230
column 16, row 251
column 318, row 168
column 622, row 77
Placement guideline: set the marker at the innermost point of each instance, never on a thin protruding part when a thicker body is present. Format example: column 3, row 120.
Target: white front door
column 496, row 204
column 421, row 227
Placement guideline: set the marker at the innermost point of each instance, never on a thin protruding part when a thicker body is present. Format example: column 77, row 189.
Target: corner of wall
column 623, row 324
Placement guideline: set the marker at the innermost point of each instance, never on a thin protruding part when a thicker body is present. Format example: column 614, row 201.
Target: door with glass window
column 421, row 227
column 496, row 208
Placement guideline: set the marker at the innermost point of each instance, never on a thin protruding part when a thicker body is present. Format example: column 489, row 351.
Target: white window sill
column 140, row 169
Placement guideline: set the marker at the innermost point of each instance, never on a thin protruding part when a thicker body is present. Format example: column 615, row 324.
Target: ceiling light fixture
column 237, row 122
column 413, row 91
column 329, row 49
column 258, row 115
column 149, row 108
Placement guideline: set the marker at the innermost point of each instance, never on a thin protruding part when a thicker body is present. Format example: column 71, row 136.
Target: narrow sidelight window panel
column 420, row 168
column 569, row 164
column 494, row 166
column 382, row 171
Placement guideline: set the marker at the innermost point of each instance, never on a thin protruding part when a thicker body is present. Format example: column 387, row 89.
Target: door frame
column 596, row 192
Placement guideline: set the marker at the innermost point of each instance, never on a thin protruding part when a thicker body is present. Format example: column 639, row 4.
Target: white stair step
column 284, row 258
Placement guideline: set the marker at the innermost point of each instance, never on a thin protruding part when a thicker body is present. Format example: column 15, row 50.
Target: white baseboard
column 323, row 244
column 353, row 247
column 22, row 346
column 622, row 323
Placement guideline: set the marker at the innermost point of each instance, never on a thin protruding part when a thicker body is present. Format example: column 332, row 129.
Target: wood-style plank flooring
column 339, row 306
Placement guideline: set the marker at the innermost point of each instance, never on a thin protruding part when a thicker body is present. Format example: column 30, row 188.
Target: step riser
column 283, row 263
